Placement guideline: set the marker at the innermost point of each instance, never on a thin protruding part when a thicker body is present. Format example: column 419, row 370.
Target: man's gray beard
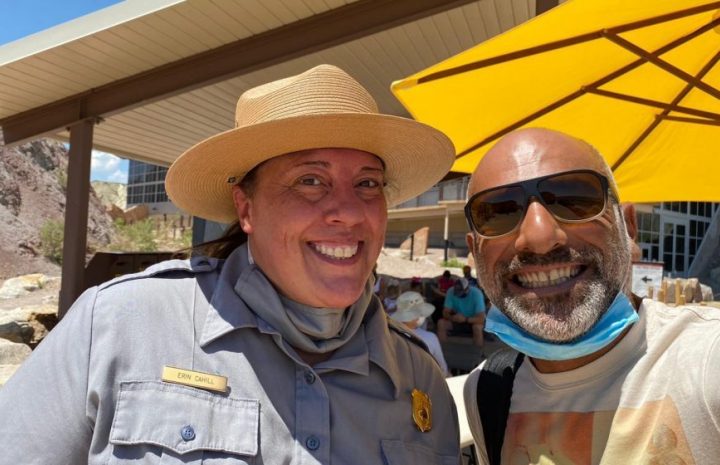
column 564, row 318
column 560, row 319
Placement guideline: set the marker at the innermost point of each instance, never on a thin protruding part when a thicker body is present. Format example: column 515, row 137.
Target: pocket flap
column 184, row 419
column 400, row 453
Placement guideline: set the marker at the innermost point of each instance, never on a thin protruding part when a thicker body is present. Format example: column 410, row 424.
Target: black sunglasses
column 571, row 197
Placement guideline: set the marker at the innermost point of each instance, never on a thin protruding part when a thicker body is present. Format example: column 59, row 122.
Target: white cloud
column 118, row 176
column 104, row 161
column 107, row 167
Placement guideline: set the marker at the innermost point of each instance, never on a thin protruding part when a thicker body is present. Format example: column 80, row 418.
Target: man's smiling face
column 554, row 279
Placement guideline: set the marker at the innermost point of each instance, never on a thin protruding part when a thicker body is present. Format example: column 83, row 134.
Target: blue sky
column 20, row 18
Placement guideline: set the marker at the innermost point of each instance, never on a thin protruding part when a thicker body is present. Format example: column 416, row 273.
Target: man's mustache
column 556, row 256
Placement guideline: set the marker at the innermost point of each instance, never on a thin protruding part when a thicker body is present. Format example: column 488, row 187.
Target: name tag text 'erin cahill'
column 195, row 379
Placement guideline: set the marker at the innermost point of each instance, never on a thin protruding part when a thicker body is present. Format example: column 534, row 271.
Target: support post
column 76, row 214
column 412, row 245
column 446, row 232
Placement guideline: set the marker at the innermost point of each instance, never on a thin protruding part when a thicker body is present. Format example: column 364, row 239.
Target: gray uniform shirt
column 92, row 391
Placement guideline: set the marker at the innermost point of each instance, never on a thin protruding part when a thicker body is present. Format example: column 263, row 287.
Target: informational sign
column 646, row 275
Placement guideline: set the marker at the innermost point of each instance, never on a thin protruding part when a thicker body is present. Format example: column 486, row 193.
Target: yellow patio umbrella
column 635, row 78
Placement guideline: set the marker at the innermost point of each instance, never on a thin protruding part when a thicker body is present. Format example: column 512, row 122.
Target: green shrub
column 61, row 176
column 51, row 240
column 139, row 235
column 453, row 263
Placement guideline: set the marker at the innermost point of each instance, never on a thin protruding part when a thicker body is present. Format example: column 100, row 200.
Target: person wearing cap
column 412, row 310
column 463, row 312
column 273, row 349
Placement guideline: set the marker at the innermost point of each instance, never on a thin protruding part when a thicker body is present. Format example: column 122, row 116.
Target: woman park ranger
column 273, row 350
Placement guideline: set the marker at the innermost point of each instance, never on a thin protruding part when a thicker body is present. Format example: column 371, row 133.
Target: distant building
column 673, row 232
column 146, row 185
column 683, row 235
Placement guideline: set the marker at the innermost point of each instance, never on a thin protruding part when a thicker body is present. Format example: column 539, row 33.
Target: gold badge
column 422, row 410
column 196, row 379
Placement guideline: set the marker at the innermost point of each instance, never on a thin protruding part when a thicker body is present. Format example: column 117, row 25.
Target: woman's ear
column 243, row 208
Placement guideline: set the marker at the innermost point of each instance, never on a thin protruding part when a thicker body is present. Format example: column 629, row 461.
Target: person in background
column 439, row 290
column 467, row 274
column 463, row 313
column 271, row 349
column 391, row 294
column 416, row 284
column 412, row 310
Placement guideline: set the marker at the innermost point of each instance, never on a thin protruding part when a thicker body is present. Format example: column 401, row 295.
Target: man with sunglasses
column 599, row 376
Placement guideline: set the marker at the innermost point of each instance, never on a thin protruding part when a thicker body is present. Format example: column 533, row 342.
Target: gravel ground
column 396, row 262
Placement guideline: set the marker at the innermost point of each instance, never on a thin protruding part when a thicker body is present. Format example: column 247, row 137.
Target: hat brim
column 416, row 156
column 423, row 310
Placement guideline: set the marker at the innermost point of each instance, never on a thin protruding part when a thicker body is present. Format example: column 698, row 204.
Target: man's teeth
column 345, row 251
column 548, row 278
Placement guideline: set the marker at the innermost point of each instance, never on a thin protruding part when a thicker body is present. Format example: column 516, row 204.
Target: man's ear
column 243, row 208
column 470, row 241
column 630, row 215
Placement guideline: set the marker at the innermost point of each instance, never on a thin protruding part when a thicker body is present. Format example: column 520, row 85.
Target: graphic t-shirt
column 652, row 399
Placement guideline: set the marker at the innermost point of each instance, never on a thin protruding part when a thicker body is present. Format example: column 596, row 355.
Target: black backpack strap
column 494, row 390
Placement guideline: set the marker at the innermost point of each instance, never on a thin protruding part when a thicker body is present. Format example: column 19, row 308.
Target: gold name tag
column 195, row 379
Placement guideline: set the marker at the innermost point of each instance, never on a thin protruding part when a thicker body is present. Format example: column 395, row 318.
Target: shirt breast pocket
column 403, row 453
column 161, row 423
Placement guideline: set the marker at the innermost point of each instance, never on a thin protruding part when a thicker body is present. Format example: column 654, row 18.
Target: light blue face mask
column 619, row 316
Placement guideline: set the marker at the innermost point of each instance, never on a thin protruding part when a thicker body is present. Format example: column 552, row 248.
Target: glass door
column 674, row 245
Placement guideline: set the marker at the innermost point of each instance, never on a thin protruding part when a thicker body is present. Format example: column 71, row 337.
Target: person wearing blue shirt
column 467, row 274
column 463, row 312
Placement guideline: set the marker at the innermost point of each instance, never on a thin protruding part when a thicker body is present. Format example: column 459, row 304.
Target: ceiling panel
column 162, row 130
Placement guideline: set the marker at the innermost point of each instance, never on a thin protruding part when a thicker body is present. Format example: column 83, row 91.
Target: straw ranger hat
column 321, row 108
column 411, row 306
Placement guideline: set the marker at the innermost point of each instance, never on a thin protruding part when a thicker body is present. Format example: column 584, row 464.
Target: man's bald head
column 553, row 277
column 534, row 152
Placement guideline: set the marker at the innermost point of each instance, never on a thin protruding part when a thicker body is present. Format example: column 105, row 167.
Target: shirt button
column 312, row 443
column 309, row 377
column 187, row 433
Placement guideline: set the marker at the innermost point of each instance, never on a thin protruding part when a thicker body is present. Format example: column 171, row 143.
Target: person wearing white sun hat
column 272, row 349
column 412, row 310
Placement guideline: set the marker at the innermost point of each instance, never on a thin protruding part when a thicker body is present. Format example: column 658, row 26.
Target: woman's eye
column 309, row 181
column 370, row 183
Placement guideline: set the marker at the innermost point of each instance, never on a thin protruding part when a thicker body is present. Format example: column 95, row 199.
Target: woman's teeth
column 345, row 251
column 553, row 277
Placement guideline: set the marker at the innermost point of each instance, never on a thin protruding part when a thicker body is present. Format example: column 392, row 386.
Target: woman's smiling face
column 316, row 223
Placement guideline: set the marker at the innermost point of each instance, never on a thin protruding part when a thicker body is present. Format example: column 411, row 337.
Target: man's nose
column 539, row 231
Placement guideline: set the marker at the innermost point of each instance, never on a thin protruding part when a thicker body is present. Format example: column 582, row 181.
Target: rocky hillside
column 32, row 192
column 111, row 193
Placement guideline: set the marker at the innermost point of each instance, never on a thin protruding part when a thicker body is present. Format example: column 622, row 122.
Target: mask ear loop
column 251, row 260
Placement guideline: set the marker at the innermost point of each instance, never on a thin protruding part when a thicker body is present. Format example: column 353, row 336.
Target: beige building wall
column 398, row 229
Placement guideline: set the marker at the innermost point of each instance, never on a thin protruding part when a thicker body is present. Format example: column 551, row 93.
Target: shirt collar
column 373, row 341
column 227, row 311
column 382, row 350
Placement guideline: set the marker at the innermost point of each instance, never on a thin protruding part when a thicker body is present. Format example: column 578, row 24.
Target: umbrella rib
column 568, row 98
column 690, row 120
column 549, row 46
column 664, row 114
column 664, row 18
column 655, row 103
column 659, row 62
